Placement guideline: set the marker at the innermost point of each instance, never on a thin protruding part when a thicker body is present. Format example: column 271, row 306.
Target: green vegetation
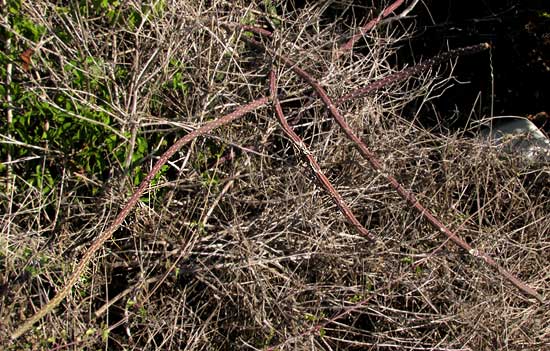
column 69, row 125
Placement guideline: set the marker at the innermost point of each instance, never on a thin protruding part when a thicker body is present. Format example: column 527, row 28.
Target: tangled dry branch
column 271, row 43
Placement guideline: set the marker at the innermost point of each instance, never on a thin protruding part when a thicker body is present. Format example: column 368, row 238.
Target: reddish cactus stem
column 405, row 194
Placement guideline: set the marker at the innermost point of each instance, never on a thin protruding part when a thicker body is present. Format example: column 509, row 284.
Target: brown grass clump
column 236, row 244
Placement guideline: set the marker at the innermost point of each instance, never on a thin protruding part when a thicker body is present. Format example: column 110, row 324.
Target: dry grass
column 248, row 252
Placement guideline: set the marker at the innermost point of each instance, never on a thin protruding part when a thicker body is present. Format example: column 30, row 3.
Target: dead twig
column 339, row 315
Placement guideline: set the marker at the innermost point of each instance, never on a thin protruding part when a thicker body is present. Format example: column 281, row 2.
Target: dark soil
column 519, row 61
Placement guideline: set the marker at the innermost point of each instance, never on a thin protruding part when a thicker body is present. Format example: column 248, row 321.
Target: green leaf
column 159, row 8
column 14, row 6
column 133, row 19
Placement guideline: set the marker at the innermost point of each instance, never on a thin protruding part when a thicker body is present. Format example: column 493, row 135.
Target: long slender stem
column 370, row 25
column 410, row 71
column 315, row 167
column 98, row 243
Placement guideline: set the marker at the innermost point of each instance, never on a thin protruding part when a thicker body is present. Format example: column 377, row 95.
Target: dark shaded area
column 519, row 61
column 510, row 79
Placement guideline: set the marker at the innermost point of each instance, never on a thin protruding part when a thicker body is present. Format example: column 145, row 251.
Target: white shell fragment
column 517, row 135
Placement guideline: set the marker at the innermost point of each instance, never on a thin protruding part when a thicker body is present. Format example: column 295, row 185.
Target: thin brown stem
column 339, row 315
column 98, row 243
column 367, row 27
column 404, row 193
column 9, row 102
column 314, row 165
column 410, row 71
